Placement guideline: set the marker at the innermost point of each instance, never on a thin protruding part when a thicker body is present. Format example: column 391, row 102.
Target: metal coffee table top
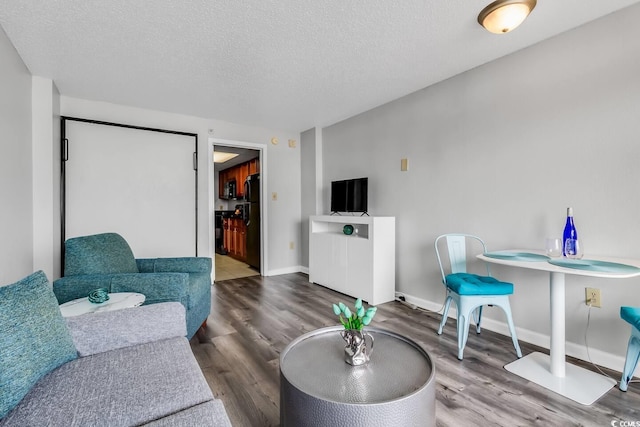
column 314, row 363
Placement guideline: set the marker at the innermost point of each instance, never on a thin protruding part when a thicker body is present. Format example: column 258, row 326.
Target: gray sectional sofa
column 128, row 367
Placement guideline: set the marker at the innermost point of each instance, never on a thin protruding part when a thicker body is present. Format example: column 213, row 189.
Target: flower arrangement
column 356, row 319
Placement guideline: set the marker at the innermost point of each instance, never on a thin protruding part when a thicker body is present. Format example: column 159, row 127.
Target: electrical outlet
column 274, row 196
column 592, row 297
column 291, row 245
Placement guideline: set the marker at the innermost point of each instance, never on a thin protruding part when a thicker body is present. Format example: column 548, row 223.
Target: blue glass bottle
column 569, row 230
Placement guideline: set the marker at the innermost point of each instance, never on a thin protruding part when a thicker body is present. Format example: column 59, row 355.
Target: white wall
column 501, row 151
column 283, row 172
column 46, row 176
column 16, row 213
column 308, row 182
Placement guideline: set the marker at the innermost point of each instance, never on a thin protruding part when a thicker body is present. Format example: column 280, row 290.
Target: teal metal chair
column 470, row 292
column 631, row 315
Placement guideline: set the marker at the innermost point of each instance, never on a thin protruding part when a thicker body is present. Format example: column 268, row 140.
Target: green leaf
column 358, row 303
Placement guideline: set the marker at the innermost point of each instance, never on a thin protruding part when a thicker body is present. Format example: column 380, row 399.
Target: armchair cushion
column 105, row 253
column 34, row 339
column 199, row 270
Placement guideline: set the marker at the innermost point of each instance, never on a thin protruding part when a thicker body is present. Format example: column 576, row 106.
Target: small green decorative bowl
column 99, row 296
column 348, row 229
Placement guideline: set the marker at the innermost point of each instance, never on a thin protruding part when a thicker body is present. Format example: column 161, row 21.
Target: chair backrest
column 106, row 253
column 457, row 253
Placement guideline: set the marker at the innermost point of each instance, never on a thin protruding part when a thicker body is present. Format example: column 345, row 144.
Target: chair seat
column 631, row 315
column 472, row 284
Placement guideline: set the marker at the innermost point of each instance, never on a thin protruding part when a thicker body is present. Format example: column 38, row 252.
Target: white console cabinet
column 361, row 265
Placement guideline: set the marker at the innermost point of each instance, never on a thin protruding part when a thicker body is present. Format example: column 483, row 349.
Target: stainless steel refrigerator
column 252, row 219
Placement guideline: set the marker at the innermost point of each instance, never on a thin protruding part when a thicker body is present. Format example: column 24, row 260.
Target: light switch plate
column 404, row 165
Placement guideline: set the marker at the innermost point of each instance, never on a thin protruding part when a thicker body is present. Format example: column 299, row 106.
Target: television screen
column 349, row 195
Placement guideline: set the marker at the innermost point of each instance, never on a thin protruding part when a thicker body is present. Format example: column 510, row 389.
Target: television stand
column 339, row 214
column 362, row 264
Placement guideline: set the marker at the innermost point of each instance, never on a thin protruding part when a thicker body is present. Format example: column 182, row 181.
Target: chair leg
column 466, row 308
column 463, row 331
column 478, row 316
column 631, row 362
column 445, row 314
column 507, row 311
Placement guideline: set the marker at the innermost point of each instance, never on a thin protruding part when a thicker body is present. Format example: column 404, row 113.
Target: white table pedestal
column 578, row 384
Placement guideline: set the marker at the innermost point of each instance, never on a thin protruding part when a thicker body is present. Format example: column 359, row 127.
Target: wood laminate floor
column 254, row 318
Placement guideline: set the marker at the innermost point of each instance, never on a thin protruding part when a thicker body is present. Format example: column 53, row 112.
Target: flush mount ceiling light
column 221, row 156
column 502, row 16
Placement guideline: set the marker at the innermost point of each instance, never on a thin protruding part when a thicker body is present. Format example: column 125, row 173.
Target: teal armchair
column 106, row 261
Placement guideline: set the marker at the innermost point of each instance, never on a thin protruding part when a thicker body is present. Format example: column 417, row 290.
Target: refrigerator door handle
column 247, row 213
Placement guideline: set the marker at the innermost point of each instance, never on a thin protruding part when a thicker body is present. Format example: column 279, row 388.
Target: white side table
column 116, row 301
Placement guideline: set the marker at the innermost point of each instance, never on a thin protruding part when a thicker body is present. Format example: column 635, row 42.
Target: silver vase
column 356, row 352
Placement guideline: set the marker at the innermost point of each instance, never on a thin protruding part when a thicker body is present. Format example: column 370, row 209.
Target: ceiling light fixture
column 221, row 156
column 502, row 16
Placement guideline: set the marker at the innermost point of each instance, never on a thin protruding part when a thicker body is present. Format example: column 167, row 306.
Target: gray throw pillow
column 34, row 338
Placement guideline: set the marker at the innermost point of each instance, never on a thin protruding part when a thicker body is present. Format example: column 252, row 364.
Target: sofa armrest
column 109, row 330
column 176, row 265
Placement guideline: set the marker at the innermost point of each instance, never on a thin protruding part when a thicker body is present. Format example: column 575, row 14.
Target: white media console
column 361, row 265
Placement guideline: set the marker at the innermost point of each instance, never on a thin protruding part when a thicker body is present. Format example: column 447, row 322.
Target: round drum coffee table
column 318, row 388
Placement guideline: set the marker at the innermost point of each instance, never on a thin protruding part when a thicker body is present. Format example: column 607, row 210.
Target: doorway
column 237, row 184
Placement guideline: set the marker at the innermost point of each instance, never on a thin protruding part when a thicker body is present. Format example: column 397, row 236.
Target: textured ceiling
column 286, row 64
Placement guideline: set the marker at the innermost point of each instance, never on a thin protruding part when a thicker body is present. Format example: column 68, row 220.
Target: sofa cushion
column 105, row 253
column 34, row 338
column 211, row 413
column 125, row 387
column 110, row 330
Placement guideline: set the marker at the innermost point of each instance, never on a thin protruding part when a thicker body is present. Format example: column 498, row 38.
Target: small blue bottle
column 569, row 231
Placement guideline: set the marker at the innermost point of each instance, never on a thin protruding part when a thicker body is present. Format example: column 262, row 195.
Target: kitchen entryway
column 237, row 214
column 229, row 268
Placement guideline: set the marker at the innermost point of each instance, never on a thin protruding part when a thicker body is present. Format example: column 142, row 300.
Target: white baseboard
column 578, row 351
column 286, row 270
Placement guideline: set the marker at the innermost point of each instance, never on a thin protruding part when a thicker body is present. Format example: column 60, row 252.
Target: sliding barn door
column 136, row 182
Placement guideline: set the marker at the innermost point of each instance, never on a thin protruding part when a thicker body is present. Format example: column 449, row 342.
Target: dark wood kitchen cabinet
column 235, row 238
column 238, row 174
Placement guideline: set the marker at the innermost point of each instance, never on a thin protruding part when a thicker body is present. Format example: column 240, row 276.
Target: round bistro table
column 318, row 388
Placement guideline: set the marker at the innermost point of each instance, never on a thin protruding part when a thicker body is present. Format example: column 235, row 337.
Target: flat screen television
column 349, row 195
